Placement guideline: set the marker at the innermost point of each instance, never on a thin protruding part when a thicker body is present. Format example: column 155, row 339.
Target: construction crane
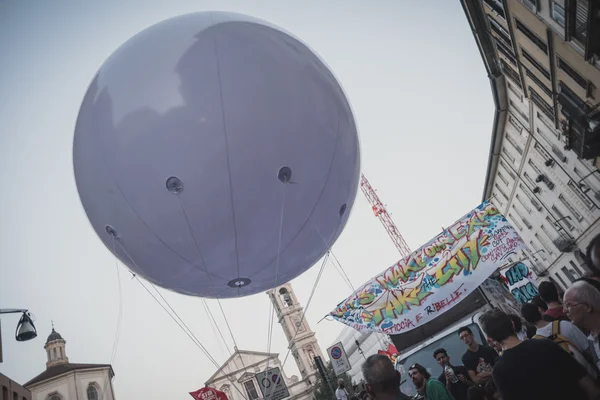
column 380, row 212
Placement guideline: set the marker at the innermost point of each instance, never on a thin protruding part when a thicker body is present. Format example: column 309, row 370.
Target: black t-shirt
column 458, row 389
column 538, row 369
column 481, row 360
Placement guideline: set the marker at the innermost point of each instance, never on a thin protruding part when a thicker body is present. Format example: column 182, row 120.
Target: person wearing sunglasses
column 581, row 303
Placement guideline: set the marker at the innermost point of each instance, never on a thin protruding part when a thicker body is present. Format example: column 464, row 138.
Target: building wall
column 73, row 385
column 239, row 373
column 11, row 390
column 550, row 195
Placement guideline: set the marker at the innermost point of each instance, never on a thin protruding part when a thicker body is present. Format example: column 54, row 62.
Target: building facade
column 63, row 380
column 302, row 341
column 543, row 60
column 11, row 390
column 237, row 377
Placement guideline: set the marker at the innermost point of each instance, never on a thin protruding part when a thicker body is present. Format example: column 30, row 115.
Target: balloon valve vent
column 174, row 185
column 285, row 174
column 239, row 283
column 112, row 232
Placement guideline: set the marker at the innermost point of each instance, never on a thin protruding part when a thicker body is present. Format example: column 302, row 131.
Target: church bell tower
column 301, row 339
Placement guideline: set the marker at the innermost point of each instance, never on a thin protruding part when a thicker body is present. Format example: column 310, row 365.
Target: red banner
column 208, row 393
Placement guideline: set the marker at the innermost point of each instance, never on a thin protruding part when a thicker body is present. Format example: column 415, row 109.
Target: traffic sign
column 272, row 385
column 339, row 359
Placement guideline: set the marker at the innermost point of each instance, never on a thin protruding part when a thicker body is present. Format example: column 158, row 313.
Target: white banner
column 339, row 359
column 521, row 281
column 434, row 278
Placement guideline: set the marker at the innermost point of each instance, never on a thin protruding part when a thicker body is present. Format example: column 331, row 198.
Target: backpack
column 570, row 348
column 557, row 338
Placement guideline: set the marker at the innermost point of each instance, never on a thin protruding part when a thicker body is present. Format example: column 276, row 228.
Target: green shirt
column 435, row 390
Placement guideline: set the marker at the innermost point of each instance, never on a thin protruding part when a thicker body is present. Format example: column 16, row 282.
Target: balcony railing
column 583, row 124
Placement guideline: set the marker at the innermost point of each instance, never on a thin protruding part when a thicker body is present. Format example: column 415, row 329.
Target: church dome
column 53, row 336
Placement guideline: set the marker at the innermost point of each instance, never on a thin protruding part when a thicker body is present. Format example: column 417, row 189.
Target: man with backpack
column 563, row 333
column 534, row 369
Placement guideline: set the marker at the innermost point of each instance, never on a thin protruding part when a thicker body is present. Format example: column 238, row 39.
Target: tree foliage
column 323, row 392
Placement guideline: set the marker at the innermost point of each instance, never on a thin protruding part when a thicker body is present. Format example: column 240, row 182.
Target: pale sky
column 423, row 105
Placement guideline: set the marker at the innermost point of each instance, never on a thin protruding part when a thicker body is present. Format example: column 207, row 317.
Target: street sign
column 339, row 359
column 272, row 385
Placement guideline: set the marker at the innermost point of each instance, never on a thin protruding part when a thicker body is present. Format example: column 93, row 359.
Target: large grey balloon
column 184, row 147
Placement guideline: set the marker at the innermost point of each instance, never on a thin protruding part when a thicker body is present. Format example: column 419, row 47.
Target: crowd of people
column 550, row 351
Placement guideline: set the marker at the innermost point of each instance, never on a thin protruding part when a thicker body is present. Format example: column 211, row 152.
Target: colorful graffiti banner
column 434, row 278
column 520, row 280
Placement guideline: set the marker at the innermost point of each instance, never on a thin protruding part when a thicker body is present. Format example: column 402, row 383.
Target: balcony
column 565, row 243
column 582, row 128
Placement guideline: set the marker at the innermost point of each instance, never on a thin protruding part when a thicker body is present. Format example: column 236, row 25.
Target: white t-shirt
column 572, row 333
column 341, row 394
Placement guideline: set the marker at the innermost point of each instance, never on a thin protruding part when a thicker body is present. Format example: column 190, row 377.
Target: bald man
column 383, row 381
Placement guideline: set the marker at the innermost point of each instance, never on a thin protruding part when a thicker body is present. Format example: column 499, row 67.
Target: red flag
column 208, row 393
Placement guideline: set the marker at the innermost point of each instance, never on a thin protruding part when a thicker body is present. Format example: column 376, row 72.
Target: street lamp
column 25, row 328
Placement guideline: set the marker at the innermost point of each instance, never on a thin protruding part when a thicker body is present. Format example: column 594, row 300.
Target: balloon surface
column 216, row 155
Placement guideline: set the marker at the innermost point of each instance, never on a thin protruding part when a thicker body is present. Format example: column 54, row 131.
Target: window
column 502, row 178
column 515, row 124
column 559, row 153
column 521, row 113
column 529, row 180
column 496, row 5
column 523, row 204
column 61, row 352
column 515, row 92
column 509, row 156
column 575, row 268
column 537, row 250
column 92, row 393
column 545, row 122
column 54, row 353
column 558, row 13
column 501, row 33
column 561, row 217
column 532, row 200
column 501, row 191
column 540, row 149
column 581, row 17
column 514, row 144
column 525, row 221
column 582, row 197
column 251, row 390
column 546, row 244
column 506, row 52
column 531, row 4
column 515, row 222
column 535, row 63
column 54, row 396
column 564, row 285
column 541, row 103
column 538, row 82
column 581, row 81
column 532, row 36
column 570, row 207
column 568, row 274
column 509, row 72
